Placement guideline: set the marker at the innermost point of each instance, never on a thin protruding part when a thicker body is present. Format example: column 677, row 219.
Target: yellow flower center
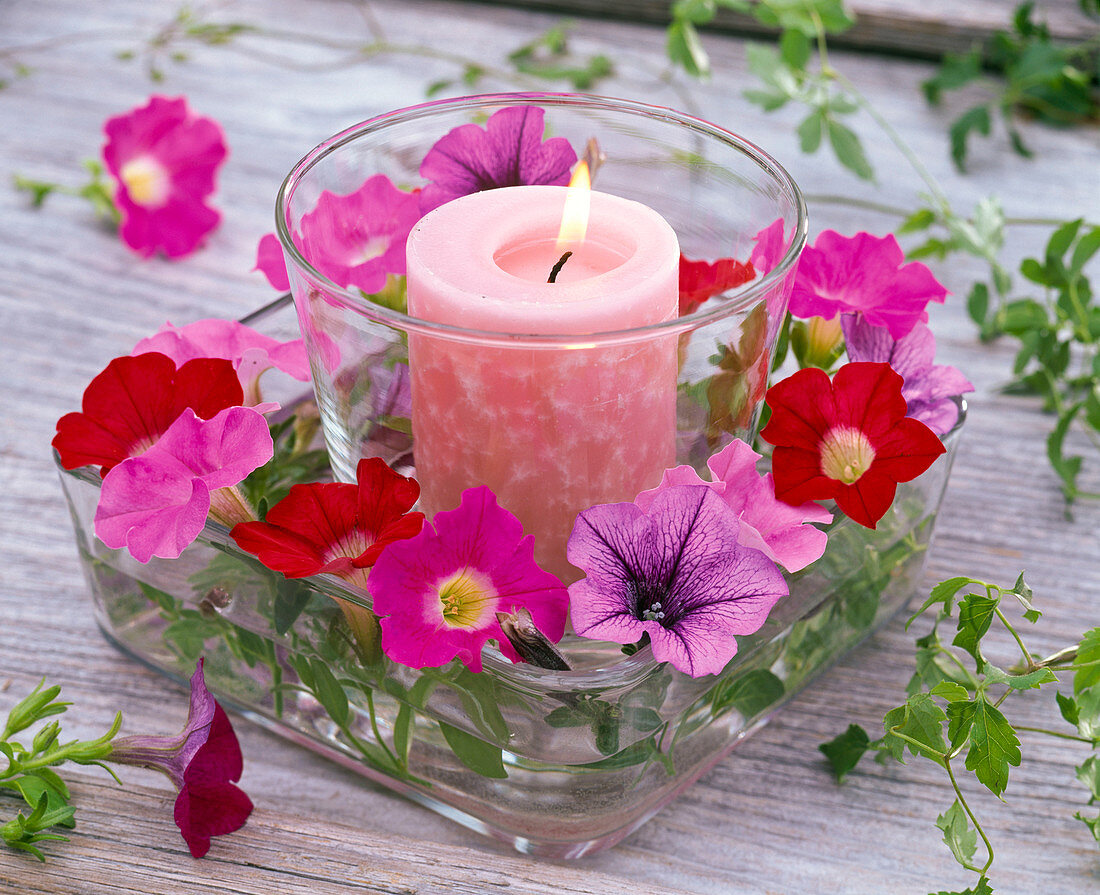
column 146, row 181
column 846, row 454
column 467, row 600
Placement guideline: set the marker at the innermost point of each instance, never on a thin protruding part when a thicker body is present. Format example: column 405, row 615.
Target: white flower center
column 846, row 454
column 146, row 181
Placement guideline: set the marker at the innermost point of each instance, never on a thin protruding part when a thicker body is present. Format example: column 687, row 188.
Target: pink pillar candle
column 551, row 428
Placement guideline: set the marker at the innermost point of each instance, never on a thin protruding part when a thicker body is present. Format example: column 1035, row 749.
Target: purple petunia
column 508, row 151
column 676, row 572
column 203, row 761
column 928, row 388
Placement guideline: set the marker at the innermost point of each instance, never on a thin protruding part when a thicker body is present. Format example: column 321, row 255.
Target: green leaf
column 955, row 71
column 975, row 119
column 1067, row 468
column 1067, row 705
column 810, row 131
column 794, row 49
column 993, row 747
column 750, row 693
column 921, row 219
column 479, row 756
column 975, row 615
column 1093, row 823
column 977, row 303
column 329, row 692
column 684, row 48
column 921, row 720
column 1087, row 246
column 1030, row 681
column 698, row 12
column 1088, row 653
column 957, row 833
column 982, row 888
column 291, row 597
column 844, row 752
column 944, row 592
column 1088, row 714
column 849, row 150
column 950, row 691
column 1088, row 774
column 960, row 718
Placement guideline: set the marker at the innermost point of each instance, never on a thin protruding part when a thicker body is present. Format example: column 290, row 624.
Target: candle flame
column 574, row 216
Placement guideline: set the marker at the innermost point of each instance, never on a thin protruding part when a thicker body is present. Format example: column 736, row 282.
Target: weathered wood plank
column 904, row 27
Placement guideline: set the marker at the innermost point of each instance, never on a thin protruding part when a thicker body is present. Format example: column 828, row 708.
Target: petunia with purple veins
column 676, row 572
column 508, row 151
column 929, row 389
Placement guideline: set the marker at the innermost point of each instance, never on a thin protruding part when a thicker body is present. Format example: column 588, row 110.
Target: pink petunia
column 770, row 246
column 165, row 161
column 250, row 352
column 271, row 262
column 358, row 239
column 440, row 591
column 863, row 273
column 778, row 530
column 203, row 761
column 156, row 504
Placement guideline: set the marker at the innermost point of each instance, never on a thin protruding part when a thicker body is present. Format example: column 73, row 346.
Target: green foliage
column 549, row 58
column 1024, row 71
column 27, row 771
column 954, row 709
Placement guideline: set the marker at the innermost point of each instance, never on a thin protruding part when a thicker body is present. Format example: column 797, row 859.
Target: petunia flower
column 699, row 280
column 250, row 352
column 928, row 389
column 848, row 439
column 271, row 262
column 357, row 240
column 508, row 151
column 335, row 527
column 676, row 571
column 165, row 160
column 440, row 592
column 863, row 273
column 770, row 246
column 156, row 504
column 203, row 761
column 129, row 405
column 778, row 530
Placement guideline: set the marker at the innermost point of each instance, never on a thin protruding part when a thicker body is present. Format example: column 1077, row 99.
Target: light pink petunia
column 781, row 531
column 863, row 273
column 250, row 352
column 440, row 591
column 156, row 504
column 770, row 247
column 165, row 160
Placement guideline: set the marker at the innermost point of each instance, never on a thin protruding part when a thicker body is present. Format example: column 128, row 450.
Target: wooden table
column 769, row 818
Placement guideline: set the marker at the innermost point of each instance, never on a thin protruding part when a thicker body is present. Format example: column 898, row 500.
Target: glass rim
column 702, row 316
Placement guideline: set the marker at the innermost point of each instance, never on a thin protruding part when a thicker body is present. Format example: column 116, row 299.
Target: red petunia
column 848, row 439
column 699, row 280
column 128, row 406
column 335, row 527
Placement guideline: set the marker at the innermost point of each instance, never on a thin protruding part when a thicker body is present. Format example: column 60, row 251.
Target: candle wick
column 557, row 268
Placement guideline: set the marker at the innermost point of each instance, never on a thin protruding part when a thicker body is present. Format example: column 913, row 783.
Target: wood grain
column 768, row 819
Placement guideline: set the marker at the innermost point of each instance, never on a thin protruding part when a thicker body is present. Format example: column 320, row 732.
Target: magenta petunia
column 770, row 246
column 271, row 262
column 203, row 761
column 156, row 504
column 508, row 151
column 782, row 532
column 358, row 239
column 441, row 590
column 675, row 571
column 165, row 160
column 865, row 274
column 929, row 389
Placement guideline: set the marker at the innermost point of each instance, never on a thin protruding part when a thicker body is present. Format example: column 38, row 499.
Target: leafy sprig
column 29, row 769
column 953, row 713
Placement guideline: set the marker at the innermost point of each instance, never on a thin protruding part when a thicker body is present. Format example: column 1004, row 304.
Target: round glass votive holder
column 554, row 411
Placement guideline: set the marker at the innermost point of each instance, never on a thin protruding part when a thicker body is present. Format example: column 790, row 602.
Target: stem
column 1011, row 630
column 977, row 826
column 377, row 733
column 1054, row 733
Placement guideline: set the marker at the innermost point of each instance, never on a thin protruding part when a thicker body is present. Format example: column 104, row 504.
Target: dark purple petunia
column 203, row 761
column 675, row 572
column 928, row 389
column 508, row 151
